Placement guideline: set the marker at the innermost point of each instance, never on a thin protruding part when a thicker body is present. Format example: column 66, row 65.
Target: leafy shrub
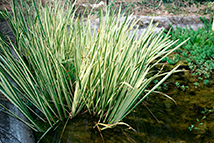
column 198, row 52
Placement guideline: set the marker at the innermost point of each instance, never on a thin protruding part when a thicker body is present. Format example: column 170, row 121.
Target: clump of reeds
column 60, row 71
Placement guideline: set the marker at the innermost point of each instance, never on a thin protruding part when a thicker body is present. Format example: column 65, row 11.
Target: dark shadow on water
column 174, row 120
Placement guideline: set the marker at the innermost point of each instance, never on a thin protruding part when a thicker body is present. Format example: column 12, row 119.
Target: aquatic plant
column 38, row 71
column 183, row 87
column 199, row 123
column 63, row 66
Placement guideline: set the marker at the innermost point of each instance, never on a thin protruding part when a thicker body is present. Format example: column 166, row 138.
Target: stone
column 13, row 130
column 158, row 12
column 166, row 12
column 164, row 22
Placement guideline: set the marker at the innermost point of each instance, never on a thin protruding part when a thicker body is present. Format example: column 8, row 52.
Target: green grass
column 63, row 72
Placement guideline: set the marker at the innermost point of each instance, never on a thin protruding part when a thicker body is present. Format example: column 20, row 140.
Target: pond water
column 157, row 119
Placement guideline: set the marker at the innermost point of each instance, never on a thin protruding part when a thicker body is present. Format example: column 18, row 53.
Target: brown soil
column 150, row 9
